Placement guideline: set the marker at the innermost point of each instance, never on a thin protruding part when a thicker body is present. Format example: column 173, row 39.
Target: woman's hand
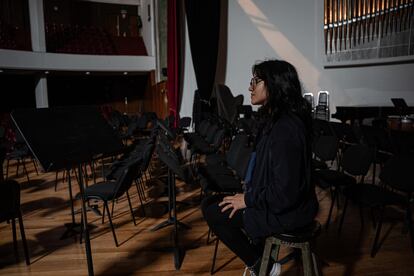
column 235, row 202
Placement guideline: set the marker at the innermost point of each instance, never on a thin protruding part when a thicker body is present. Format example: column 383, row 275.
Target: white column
column 41, row 93
column 37, row 31
column 37, row 25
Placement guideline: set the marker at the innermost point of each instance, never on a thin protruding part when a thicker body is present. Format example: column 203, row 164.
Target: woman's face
column 258, row 91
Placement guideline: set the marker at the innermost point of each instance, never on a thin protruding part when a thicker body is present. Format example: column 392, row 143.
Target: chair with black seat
column 309, row 98
column 324, row 149
column 209, row 145
column 115, row 120
column 322, row 108
column 378, row 139
column 321, row 128
column 236, row 144
column 245, row 111
column 355, row 163
column 201, row 130
column 209, row 133
column 10, row 210
column 397, row 174
column 114, row 189
column 184, row 124
column 226, row 177
column 301, row 239
column 146, row 160
column 151, row 118
column 245, row 125
column 402, row 141
column 347, row 134
column 20, row 153
column 142, row 151
column 129, row 134
column 142, row 124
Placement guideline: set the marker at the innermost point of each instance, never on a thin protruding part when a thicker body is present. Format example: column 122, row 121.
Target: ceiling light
column 46, row 72
column 87, row 73
column 1, row 71
column 125, row 73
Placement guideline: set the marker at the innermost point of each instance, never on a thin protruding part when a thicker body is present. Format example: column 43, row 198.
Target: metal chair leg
column 110, row 223
column 334, row 195
column 213, row 264
column 16, row 252
column 130, row 208
column 375, row 248
column 343, row 216
column 140, row 199
column 23, row 235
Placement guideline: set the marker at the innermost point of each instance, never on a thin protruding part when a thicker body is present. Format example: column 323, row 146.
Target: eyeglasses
column 254, row 82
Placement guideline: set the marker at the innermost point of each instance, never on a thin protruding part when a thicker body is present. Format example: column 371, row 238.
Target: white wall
column 292, row 30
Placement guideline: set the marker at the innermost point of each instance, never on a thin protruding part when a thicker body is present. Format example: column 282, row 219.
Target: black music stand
column 400, row 105
column 65, row 137
column 173, row 168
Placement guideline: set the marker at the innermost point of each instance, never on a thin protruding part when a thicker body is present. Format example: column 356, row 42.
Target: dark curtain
column 173, row 58
column 203, row 21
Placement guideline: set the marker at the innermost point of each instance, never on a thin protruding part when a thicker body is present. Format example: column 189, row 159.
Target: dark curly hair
column 285, row 93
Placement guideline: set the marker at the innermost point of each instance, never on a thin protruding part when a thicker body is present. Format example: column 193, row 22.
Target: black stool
column 300, row 239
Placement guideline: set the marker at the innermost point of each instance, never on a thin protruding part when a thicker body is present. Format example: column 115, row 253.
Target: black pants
column 230, row 231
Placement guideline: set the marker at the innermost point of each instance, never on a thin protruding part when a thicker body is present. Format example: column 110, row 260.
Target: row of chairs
column 225, row 173
column 76, row 39
column 354, row 151
column 130, row 168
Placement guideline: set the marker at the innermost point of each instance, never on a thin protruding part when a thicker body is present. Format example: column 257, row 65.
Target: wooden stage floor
column 143, row 252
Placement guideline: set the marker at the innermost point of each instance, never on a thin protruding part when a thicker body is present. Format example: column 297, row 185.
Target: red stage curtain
column 173, row 54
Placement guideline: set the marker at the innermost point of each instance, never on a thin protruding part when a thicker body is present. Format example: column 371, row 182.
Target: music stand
column 400, row 105
column 65, row 137
column 173, row 168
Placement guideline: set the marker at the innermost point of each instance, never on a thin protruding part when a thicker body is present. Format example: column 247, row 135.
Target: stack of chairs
column 322, row 108
column 339, row 143
column 396, row 189
column 309, row 98
column 207, row 139
column 225, row 173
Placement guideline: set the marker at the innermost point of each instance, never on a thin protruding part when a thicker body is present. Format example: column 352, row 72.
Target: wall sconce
column 149, row 12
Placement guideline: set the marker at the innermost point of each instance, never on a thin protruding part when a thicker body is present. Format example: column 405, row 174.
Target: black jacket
column 280, row 197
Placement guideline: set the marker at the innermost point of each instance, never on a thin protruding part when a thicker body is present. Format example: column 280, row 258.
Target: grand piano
column 358, row 113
